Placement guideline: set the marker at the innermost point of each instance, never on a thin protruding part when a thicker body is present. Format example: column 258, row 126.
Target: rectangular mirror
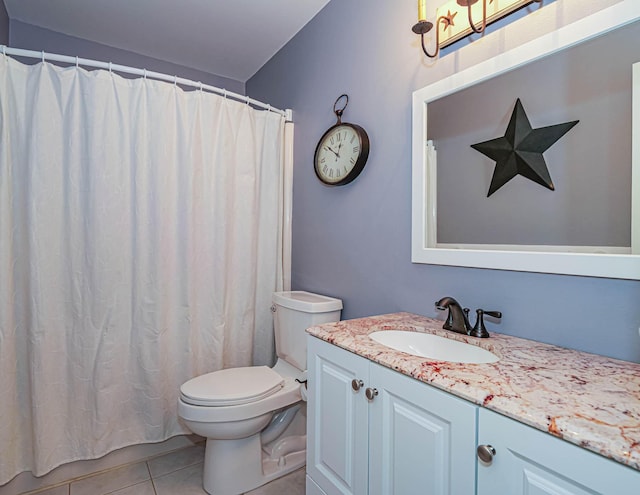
column 589, row 224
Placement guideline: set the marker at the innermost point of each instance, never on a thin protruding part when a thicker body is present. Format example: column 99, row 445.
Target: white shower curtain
column 140, row 243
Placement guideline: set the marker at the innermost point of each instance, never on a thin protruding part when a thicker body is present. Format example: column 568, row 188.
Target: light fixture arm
column 469, row 3
column 470, row 17
column 424, row 48
column 423, row 28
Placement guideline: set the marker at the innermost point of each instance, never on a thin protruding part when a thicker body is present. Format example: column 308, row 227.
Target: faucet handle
column 479, row 329
column 495, row 314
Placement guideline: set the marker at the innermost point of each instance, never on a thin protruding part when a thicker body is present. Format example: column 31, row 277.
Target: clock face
column 341, row 154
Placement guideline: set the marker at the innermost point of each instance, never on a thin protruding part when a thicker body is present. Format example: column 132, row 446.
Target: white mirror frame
column 423, row 230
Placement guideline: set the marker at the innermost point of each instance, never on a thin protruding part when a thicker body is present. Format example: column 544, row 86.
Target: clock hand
column 337, row 153
column 329, row 148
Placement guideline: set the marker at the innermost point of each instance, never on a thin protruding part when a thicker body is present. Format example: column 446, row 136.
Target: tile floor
column 176, row 473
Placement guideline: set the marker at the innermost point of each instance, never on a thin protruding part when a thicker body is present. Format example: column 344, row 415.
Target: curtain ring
column 200, row 85
column 43, row 56
column 175, row 81
column 224, row 93
column 4, row 50
column 144, row 74
column 110, row 67
column 77, row 63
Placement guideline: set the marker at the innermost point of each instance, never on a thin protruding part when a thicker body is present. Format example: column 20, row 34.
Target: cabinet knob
column 486, row 453
column 371, row 393
column 356, row 384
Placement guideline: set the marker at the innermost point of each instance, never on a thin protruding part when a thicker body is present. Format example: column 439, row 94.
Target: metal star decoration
column 519, row 151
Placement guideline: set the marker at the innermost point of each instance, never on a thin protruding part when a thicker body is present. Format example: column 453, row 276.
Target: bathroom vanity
column 540, row 420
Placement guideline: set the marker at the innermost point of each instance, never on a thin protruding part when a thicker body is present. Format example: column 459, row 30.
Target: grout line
column 146, row 463
column 130, row 486
column 174, row 469
column 153, row 485
column 183, row 468
column 122, row 487
column 36, row 491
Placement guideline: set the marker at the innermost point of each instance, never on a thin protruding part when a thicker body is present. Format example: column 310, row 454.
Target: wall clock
column 342, row 151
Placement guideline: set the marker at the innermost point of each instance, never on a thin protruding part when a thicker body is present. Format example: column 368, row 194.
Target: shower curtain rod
column 19, row 52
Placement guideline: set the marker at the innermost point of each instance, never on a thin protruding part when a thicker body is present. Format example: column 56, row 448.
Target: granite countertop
column 586, row 399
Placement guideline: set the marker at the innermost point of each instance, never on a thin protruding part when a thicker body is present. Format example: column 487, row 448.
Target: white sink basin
column 433, row 347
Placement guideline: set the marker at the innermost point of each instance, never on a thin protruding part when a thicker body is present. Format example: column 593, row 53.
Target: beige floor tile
column 59, row 490
column 291, row 484
column 145, row 488
column 112, row 480
column 174, row 461
column 187, row 481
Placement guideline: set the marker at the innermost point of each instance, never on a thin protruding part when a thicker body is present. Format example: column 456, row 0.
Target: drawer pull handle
column 371, row 393
column 356, row 384
column 486, row 453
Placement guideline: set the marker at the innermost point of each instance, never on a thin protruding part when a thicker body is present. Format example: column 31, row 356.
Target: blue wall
column 31, row 37
column 353, row 242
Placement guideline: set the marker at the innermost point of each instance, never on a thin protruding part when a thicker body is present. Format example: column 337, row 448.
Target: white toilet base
column 233, row 467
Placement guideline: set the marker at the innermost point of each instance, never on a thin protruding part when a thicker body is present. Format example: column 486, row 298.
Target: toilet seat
column 232, row 387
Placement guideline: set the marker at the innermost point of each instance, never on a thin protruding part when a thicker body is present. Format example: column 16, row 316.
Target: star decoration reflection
column 519, row 151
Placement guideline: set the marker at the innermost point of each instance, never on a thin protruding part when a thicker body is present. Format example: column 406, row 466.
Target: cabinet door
column 421, row 440
column 532, row 462
column 337, row 419
column 311, row 488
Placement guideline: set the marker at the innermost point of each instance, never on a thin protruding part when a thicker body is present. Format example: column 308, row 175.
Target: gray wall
column 353, row 242
column 4, row 25
column 32, row 37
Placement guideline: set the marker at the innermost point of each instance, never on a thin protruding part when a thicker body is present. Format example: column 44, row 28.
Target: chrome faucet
column 458, row 318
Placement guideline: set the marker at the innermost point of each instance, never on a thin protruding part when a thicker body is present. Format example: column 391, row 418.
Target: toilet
column 254, row 418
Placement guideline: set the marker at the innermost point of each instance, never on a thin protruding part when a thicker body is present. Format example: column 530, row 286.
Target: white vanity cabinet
column 410, row 438
column 372, row 430
column 529, row 461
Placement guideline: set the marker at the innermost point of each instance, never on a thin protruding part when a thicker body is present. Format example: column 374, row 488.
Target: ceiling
column 230, row 38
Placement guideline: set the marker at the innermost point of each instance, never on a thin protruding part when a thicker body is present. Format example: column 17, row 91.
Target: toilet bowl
column 254, row 417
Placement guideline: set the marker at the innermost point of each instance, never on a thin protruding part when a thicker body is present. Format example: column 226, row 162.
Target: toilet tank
column 293, row 313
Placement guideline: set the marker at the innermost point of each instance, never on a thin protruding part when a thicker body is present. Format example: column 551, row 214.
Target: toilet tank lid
column 307, row 301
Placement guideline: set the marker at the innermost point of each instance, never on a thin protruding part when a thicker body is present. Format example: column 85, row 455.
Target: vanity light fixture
column 448, row 32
